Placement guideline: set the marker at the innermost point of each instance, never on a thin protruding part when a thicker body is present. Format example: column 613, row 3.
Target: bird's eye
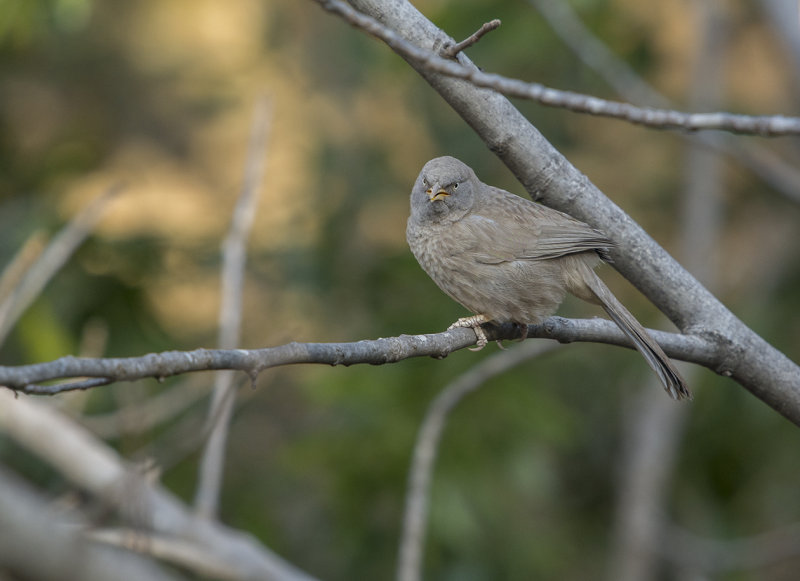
column 455, row 186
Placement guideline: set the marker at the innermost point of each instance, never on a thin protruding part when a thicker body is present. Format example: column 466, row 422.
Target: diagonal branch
column 30, row 522
column 97, row 469
column 51, row 260
column 545, row 173
column 596, row 55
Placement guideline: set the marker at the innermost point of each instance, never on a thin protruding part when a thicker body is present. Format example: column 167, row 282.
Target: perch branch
column 30, row 378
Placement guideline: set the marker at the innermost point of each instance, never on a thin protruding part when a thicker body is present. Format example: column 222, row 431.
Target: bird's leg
column 474, row 322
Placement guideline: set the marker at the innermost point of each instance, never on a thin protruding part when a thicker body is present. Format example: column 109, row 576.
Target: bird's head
column 445, row 190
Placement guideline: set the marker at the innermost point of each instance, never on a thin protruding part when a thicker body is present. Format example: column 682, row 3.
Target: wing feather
column 519, row 229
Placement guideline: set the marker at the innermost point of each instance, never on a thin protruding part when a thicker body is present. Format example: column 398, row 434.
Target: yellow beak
column 439, row 195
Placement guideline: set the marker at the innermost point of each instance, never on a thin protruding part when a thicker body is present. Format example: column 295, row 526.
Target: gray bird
column 507, row 259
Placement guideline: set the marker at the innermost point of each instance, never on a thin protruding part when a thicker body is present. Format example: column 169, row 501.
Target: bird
column 507, row 259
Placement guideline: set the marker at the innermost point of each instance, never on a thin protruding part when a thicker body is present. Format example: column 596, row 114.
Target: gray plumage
column 507, row 259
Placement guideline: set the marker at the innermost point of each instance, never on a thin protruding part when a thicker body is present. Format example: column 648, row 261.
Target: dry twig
column 233, row 266
column 51, row 260
column 415, row 515
column 764, row 163
column 452, row 51
column 765, row 125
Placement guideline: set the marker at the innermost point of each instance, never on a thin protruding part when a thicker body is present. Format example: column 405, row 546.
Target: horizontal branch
column 765, row 125
column 72, row 372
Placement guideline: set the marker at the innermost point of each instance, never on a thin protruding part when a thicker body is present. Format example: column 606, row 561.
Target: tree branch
column 654, row 429
column 146, row 415
column 452, row 51
column 766, row 125
column 38, row 542
column 596, row 55
column 98, row 469
column 546, row 174
column 415, row 515
column 17, row 268
column 29, row 379
column 182, row 552
column 51, row 260
column 707, row 557
column 230, row 318
column 765, row 164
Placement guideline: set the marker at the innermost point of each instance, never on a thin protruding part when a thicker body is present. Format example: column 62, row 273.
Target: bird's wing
column 506, row 228
column 554, row 242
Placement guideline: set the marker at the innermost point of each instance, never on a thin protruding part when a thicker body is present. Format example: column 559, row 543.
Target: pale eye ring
column 455, row 186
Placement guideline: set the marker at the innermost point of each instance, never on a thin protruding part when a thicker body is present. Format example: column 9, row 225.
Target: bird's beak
column 436, row 194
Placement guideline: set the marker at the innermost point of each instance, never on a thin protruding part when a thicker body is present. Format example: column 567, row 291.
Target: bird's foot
column 474, row 322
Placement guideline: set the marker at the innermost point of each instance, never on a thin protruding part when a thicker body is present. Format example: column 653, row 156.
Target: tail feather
column 644, row 343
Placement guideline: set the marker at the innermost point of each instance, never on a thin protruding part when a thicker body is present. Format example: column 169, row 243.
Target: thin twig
column 233, row 266
column 180, row 438
column 452, row 51
column 20, row 264
column 415, row 515
column 765, row 125
column 653, row 433
column 595, row 54
column 139, row 418
column 183, row 552
column 688, row 550
column 784, row 17
column 51, row 260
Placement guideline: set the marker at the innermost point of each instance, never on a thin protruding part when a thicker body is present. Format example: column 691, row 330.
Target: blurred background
column 536, row 467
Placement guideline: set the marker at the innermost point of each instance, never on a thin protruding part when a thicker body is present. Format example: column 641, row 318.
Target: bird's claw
column 474, row 322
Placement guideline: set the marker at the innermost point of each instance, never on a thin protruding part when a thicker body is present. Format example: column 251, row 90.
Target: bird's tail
column 644, row 343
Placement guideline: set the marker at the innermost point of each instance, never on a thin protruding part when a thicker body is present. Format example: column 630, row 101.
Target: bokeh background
column 159, row 97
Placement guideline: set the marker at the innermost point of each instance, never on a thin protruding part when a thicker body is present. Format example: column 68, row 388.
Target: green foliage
column 526, row 484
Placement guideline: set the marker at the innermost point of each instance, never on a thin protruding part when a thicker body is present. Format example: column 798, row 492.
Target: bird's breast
column 455, row 258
